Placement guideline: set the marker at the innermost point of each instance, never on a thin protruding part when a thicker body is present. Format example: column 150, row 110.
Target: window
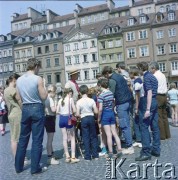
column 93, row 44
column 48, row 63
column 27, row 39
column 102, row 17
column 68, row 76
column 171, row 16
column 68, row 58
column 130, row 22
column 82, row 20
column 18, row 68
column 118, row 42
column 11, row 67
column 107, row 30
column 77, row 59
column 161, row 50
column 119, row 56
column 131, row 53
column 79, row 76
column 1, row 68
column 23, row 54
column 143, row 34
column 49, row 79
column 16, row 26
column 111, row 57
column 167, row 8
column 103, row 57
column 144, row 51
column 94, row 57
column 75, row 46
column 29, row 53
column 84, row 45
column 58, row 78
column 174, row 65
column 86, row 75
column 148, row 10
column 140, row 11
column 110, row 44
column 95, row 71
column 159, row 17
column 103, row 45
column 25, row 24
column 67, row 48
column 173, row 7
column 20, row 25
column 172, row 32
column 24, row 67
column 142, row 19
column 85, row 58
column 160, row 34
column 55, row 47
column 4, row 53
column 5, row 67
column 173, row 48
column 130, row 36
column 162, row 9
column 17, row 55
column 162, row 67
column 39, row 50
column 96, row 18
column 20, row 40
column 56, row 61
column 89, row 19
column 46, row 49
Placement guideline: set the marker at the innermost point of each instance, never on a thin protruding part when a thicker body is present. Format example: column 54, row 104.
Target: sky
column 7, row 8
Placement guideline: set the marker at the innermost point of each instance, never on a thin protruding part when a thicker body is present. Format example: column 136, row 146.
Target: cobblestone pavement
column 94, row 170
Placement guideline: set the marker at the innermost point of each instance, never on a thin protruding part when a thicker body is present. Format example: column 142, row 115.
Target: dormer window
column 115, row 29
column 167, row 8
column 51, row 35
column 9, row 37
column 162, row 9
column 159, row 17
column 173, row 7
column 20, row 40
column 142, row 19
column 1, row 38
column 108, row 30
column 27, row 39
column 130, row 22
column 171, row 16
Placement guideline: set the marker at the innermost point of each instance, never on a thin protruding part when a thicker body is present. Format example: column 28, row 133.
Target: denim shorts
column 108, row 117
column 63, row 122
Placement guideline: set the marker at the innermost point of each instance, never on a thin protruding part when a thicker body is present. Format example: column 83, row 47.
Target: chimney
column 78, row 7
column 111, row 4
column 131, row 3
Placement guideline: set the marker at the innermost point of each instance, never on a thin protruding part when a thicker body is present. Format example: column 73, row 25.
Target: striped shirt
column 107, row 99
column 150, row 83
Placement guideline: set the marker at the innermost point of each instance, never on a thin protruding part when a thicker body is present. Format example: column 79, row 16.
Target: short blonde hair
column 172, row 85
column 52, row 88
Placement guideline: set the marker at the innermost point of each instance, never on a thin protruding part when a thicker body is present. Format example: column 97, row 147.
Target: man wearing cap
column 73, row 84
column 31, row 92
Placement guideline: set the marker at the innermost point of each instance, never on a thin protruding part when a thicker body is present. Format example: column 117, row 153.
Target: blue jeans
column 124, row 122
column 151, row 121
column 89, row 136
column 33, row 118
column 136, row 125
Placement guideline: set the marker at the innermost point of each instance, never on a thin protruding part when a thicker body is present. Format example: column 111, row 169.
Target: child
column 50, row 121
column 65, row 109
column 86, row 107
column 107, row 117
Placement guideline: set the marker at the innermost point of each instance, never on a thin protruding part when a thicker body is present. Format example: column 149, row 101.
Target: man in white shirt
column 162, row 100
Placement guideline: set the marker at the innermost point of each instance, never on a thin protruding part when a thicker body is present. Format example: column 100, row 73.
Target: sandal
column 67, row 159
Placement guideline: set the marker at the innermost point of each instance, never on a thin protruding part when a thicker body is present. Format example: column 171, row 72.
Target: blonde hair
column 66, row 92
column 172, row 85
column 52, row 88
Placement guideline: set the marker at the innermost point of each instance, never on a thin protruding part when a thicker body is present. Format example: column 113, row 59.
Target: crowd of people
column 122, row 107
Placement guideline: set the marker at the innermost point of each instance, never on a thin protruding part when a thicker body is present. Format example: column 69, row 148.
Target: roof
column 19, row 32
column 39, row 20
column 165, row 1
column 62, row 18
column 142, row 2
column 123, row 8
column 20, row 17
column 93, row 9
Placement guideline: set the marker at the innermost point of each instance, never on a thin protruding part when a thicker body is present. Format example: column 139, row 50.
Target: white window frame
column 171, row 16
column 67, row 48
column 160, row 34
column 76, row 47
column 77, row 61
column 86, row 75
column 143, row 34
column 83, row 20
column 162, row 9
column 55, row 60
column 49, row 75
column 148, row 10
column 68, row 60
column 119, row 56
column 144, row 51
column 172, row 32
column 140, row 11
column 103, row 57
column 142, row 19
column 110, row 44
column 162, row 67
column 48, row 62
column 118, row 42
column 130, row 22
column 173, row 48
column 174, row 66
column 130, row 36
column 160, row 49
column 131, row 53
column 95, row 71
column 84, row 44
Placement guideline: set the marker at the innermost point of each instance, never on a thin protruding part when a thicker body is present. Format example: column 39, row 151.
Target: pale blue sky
column 7, row 8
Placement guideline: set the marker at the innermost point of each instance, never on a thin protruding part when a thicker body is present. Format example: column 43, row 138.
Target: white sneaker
column 53, row 161
column 129, row 150
column 137, row 144
column 26, row 162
